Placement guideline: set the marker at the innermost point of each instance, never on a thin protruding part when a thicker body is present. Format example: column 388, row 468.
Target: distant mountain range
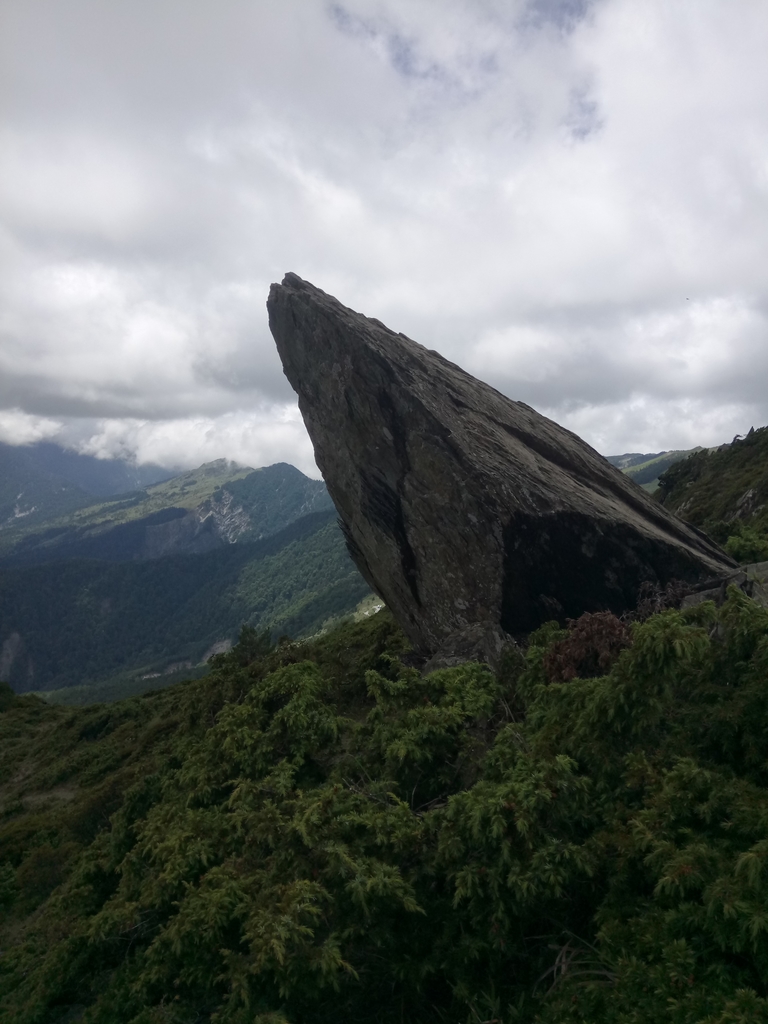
column 646, row 469
column 115, row 578
column 40, row 481
column 192, row 513
column 104, row 592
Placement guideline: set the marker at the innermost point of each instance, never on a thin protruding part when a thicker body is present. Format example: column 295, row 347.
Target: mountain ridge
column 141, row 585
column 724, row 491
column 218, row 503
column 645, row 469
column 44, row 480
column 75, row 621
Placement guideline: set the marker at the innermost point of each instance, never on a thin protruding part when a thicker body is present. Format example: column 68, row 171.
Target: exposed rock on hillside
column 471, row 515
column 244, row 509
column 752, row 579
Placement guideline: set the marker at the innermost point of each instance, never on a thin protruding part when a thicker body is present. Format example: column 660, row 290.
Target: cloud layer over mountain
column 568, row 198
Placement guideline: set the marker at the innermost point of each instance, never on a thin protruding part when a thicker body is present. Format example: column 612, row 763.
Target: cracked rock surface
column 471, row 515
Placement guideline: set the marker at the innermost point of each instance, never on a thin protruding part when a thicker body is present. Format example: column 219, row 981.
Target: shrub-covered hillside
column 316, row 833
column 81, row 622
column 645, row 470
column 725, row 492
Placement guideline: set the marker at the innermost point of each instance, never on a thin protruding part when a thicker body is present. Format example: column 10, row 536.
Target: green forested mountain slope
column 106, row 596
column 185, row 490
column 217, row 504
column 725, row 492
column 272, row 497
column 645, row 470
column 52, row 527
column 73, row 623
column 317, row 834
column 43, row 482
column 29, row 497
column 630, row 459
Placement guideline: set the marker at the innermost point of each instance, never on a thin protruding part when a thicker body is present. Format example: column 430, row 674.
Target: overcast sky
column 568, row 198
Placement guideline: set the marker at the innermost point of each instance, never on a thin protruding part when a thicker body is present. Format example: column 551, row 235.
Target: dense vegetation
column 275, row 496
column 52, row 530
column 98, row 597
column 78, row 622
column 645, row 470
column 725, row 492
column 28, row 496
column 267, row 500
column 315, row 833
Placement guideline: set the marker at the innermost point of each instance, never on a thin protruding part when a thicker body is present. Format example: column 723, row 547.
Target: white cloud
column 74, row 183
column 255, row 438
column 18, row 427
column 636, row 424
column 567, row 198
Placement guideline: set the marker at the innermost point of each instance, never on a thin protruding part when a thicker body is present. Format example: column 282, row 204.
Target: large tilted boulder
column 471, row 515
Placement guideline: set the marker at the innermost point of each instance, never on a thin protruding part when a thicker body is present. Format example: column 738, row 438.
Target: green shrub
column 580, row 840
column 747, row 545
column 41, row 871
column 7, row 696
column 8, row 887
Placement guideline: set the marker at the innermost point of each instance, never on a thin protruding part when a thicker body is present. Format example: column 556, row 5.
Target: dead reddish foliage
column 593, row 644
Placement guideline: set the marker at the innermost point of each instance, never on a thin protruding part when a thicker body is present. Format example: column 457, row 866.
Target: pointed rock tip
column 298, row 284
column 291, row 283
column 292, row 280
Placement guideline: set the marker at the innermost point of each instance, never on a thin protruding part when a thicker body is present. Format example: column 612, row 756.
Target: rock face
column 471, row 515
column 752, row 579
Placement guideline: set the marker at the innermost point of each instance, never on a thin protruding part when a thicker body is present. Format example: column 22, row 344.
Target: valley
column 309, row 787
column 134, row 591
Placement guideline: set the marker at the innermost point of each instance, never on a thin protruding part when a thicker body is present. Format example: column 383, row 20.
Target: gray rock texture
column 471, row 515
column 752, row 579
